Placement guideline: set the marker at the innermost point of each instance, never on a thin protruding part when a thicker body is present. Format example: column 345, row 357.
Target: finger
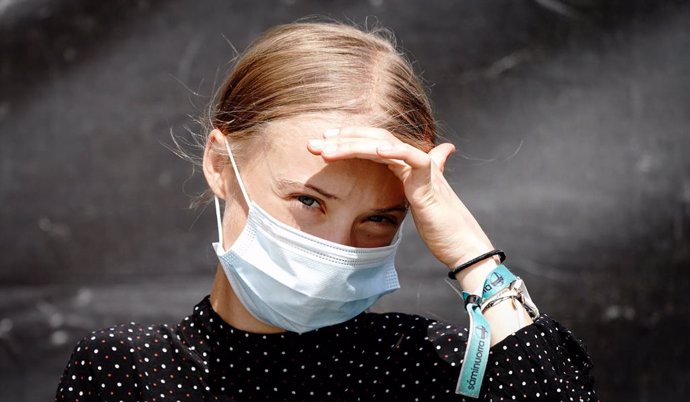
column 320, row 144
column 398, row 153
column 440, row 154
column 359, row 132
column 350, row 133
column 332, row 150
column 415, row 157
column 344, row 133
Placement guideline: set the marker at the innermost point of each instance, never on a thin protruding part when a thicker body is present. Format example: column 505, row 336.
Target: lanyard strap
column 479, row 342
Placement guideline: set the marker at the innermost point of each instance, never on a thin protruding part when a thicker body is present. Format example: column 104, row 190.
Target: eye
column 383, row 219
column 307, row 201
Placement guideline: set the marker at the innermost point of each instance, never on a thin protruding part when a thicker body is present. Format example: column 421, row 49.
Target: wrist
column 472, row 278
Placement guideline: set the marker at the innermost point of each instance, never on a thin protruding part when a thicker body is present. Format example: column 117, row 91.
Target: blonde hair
column 321, row 67
column 318, row 67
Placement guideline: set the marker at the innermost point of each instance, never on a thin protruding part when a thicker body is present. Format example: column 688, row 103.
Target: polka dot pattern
column 373, row 356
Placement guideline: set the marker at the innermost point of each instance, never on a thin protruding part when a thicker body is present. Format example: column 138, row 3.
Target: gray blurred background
column 572, row 118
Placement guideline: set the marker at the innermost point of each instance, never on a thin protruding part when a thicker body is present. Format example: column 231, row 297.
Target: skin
column 334, row 177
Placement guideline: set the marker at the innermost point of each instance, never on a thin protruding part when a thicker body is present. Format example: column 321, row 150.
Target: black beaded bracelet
column 492, row 253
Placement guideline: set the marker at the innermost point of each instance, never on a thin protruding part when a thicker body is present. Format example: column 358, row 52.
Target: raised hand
column 444, row 223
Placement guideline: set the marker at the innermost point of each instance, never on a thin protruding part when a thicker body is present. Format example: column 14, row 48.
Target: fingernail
column 330, row 149
column 316, row 144
column 331, row 132
column 384, row 147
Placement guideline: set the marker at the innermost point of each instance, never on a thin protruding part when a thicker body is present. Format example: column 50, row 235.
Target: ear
column 214, row 163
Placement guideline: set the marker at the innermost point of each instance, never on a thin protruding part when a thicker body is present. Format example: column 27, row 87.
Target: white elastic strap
column 237, row 172
column 220, row 225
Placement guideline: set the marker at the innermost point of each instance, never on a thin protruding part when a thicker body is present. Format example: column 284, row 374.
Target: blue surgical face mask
column 299, row 282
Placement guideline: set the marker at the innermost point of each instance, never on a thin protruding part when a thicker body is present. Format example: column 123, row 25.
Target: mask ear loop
column 220, row 225
column 237, row 172
column 242, row 188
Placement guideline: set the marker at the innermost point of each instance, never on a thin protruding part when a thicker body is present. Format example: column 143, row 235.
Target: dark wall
column 572, row 119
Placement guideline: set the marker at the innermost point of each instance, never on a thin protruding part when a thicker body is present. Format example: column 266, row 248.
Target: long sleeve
column 542, row 361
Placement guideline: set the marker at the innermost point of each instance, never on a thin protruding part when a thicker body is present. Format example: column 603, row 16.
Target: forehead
column 286, row 141
column 308, row 126
column 285, row 155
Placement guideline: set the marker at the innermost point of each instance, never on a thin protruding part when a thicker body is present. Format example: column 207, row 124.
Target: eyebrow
column 283, row 182
column 398, row 208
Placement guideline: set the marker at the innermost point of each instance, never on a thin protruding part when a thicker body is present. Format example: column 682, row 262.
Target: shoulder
column 122, row 345
column 108, row 360
column 125, row 337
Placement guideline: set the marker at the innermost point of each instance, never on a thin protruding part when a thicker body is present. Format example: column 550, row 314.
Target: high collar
column 206, row 333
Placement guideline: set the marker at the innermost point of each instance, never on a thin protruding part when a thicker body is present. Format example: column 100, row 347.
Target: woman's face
column 352, row 202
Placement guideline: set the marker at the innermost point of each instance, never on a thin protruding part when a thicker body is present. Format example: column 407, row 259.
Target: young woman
column 321, row 141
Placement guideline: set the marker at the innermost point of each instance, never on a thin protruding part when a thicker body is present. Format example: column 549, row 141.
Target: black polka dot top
column 383, row 357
